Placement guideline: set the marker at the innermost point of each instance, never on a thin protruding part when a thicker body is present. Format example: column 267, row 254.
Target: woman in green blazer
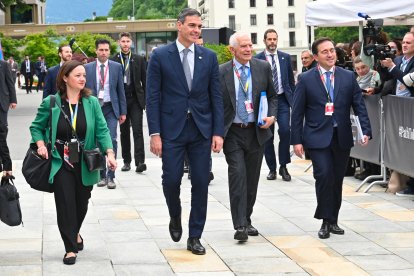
column 71, row 180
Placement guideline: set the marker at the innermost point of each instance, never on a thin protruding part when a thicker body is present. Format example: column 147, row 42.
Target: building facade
column 287, row 17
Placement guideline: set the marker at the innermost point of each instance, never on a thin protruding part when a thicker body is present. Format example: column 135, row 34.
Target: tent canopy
column 345, row 12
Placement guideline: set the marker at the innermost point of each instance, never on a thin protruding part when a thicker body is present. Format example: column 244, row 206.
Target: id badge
column 125, row 79
column 101, row 94
column 73, row 152
column 329, row 109
column 249, row 106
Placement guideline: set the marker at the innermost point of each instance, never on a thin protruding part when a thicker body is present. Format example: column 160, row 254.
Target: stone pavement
column 126, row 231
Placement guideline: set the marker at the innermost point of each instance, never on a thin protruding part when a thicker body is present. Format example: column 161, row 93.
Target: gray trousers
column 244, row 158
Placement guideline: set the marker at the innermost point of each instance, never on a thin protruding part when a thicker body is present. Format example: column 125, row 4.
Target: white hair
column 233, row 41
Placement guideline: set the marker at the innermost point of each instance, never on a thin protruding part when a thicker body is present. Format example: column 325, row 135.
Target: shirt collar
column 181, row 47
column 238, row 64
column 267, row 53
column 323, row 70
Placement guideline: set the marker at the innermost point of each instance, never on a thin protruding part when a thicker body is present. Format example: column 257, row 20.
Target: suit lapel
column 198, row 64
column 93, row 77
column 175, row 61
column 229, row 81
column 337, row 83
column 320, row 83
column 255, row 80
column 409, row 66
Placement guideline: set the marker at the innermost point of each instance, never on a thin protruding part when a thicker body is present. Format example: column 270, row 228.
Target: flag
column 1, row 52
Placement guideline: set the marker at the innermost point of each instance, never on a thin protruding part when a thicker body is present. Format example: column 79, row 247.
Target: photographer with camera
column 400, row 67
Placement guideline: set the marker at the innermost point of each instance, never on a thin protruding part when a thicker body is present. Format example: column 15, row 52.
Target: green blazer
column 96, row 131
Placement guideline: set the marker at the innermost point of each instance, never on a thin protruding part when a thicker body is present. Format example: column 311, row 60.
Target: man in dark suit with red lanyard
column 284, row 83
column 185, row 114
column 323, row 97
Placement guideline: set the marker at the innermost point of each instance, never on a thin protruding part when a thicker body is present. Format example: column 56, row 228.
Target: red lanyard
column 323, row 79
column 102, row 81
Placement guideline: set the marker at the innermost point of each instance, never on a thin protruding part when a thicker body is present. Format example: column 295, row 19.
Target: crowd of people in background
column 199, row 107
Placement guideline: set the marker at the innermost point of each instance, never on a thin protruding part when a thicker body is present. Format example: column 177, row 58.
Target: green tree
column 86, row 42
column 42, row 44
column 154, row 9
column 10, row 47
column 222, row 51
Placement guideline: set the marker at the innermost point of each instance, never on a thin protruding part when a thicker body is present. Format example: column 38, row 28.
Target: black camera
column 373, row 42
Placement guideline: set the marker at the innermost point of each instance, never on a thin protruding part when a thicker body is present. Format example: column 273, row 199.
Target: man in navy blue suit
column 323, row 97
column 284, row 84
column 185, row 114
column 65, row 54
column 106, row 80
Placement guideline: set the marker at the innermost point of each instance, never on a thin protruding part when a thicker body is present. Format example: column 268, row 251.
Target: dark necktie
column 242, row 97
column 274, row 74
column 186, row 68
column 328, row 85
column 102, row 80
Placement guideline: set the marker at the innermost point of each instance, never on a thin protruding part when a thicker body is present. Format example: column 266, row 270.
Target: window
column 254, row 38
column 292, row 39
column 291, row 20
column 232, row 22
column 252, row 3
column 270, row 19
column 291, row 3
column 253, row 20
column 21, row 16
column 231, row 4
column 270, row 3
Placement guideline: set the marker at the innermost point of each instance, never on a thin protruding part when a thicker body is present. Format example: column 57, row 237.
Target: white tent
column 345, row 12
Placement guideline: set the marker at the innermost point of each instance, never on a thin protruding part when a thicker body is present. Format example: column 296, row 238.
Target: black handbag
column 10, row 211
column 94, row 159
column 36, row 169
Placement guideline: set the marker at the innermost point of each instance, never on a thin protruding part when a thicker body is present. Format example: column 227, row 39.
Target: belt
column 241, row 125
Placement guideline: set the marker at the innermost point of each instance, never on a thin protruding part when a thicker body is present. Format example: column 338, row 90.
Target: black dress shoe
column 335, row 229
column 271, row 175
column 141, row 167
column 241, row 234
column 175, row 229
column 126, row 167
column 211, row 176
column 194, row 245
column 69, row 260
column 324, row 231
column 251, row 231
column 80, row 244
column 284, row 173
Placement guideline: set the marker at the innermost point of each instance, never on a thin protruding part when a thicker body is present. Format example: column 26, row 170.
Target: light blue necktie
column 242, row 97
column 328, row 85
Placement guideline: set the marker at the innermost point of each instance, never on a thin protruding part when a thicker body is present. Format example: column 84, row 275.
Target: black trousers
column 244, row 157
column 71, row 199
column 329, row 165
column 28, row 80
column 40, row 81
column 134, row 120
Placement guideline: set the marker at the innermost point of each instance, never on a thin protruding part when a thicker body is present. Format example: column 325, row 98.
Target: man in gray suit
column 105, row 78
column 7, row 100
column 14, row 68
column 242, row 80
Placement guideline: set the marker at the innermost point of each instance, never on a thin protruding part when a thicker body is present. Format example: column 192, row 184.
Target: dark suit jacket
column 50, row 81
column 139, row 74
column 286, row 71
column 23, row 68
column 169, row 99
column 116, row 85
column 309, row 103
column 38, row 68
column 397, row 74
column 261, row 74
column 7, row 90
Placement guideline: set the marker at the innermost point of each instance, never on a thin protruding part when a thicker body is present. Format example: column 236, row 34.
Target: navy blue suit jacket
column 286, row 71
column 169, row 99
column 116, row 85
column 309, row 103
column 50, row 81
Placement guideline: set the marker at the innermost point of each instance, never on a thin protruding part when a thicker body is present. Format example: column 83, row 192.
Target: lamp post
column 133, row 10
